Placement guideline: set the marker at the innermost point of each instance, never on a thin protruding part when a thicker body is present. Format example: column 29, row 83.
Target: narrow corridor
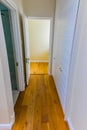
column 39, row 68
column 38, row 107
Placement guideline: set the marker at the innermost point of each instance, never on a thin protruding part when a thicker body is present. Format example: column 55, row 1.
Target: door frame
column 74, row 52
column 6, row 92
column 50, row 40
column 17, row 41
column 26, row 47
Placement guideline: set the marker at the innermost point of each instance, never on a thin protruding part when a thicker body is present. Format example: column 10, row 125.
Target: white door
column 26, row 46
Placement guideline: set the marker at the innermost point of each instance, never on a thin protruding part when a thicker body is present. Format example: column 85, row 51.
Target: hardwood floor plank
column 38, row 107
column 45, row 126
column 38, row 68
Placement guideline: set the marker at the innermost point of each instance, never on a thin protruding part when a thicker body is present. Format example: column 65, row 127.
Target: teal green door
column 9, row 46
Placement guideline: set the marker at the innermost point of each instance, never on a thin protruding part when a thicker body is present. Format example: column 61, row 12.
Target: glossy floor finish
column 38, row 107
column 38, row 68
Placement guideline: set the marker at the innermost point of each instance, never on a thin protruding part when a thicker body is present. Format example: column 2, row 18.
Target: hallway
column 39, row 68
column 38, row 107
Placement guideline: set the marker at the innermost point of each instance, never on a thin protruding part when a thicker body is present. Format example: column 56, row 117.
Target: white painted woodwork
column 26, row 45
column 65, row 19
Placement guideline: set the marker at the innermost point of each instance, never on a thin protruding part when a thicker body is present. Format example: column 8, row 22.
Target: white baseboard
column 22, row 89
column 43, row 61
column 15, row 94
column 8, row 126
column 70, row 124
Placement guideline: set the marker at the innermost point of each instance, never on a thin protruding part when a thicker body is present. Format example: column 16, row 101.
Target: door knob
column 27, row 60
column 16, row 63
column 60, row 69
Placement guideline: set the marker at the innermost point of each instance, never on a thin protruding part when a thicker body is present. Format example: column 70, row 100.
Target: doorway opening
column 8, row 35
column 35, row 34
column 39, row 44
column 10, row 49
column 5, row 16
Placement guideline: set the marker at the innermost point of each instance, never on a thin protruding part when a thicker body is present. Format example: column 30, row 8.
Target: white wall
column 65, row 18
column 39, row 8
column 78, row 82
column 39, row 38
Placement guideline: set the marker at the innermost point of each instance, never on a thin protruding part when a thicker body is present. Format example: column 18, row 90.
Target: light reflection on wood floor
column 38, row 68
column 38, row 107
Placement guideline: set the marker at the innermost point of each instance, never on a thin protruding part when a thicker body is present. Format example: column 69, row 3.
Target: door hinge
column 16, row 63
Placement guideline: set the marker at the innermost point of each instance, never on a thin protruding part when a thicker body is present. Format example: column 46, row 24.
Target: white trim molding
column 9, row 4
column 51, row 46
column 70, row 124
column 42, row 61
column 9, row 125
column 39, row 18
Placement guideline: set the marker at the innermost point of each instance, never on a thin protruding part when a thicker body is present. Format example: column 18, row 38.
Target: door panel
column 9, row 46
column 26, row 46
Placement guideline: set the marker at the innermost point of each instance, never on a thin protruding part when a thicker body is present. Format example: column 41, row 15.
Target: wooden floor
column 38, row 108
column 38, row 68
